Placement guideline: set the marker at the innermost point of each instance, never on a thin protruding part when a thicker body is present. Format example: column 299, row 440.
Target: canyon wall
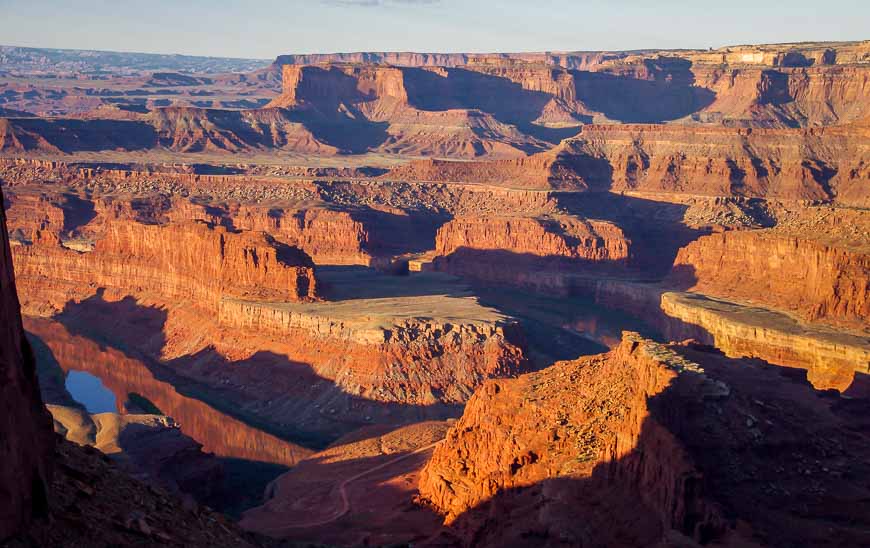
column 25, row 425
column 542, row 253
column 816, row 280
column 568, row 237
column 191, row 261
column 779, row 85
column 540, row 171
column 792, row 164
column 810, row 164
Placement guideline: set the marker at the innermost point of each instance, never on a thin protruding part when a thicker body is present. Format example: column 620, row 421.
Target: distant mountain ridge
column 24, row 59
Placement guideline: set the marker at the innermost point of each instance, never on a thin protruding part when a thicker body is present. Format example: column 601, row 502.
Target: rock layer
column 210, row 264
column 531, row 252
column 814, row 279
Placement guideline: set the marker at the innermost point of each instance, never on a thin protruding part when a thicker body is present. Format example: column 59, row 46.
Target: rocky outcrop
column 25, row 426
column 832, row 359
column 646, row 443
column 815, row 279
column 573, row 421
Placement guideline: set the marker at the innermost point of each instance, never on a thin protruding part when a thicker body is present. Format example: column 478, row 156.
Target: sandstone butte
column 648, row 442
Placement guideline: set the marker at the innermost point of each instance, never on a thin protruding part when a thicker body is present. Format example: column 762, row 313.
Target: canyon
column 556, row 299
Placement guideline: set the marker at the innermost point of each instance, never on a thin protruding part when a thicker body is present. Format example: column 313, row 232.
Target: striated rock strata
column 191, row 261
column 533, row 252
column 815, row 279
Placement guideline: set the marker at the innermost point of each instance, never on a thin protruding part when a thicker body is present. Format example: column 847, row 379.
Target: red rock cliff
column 530, row 252
column 816, row 280
column 189, row 261
column 564, row 422
column 25, row 425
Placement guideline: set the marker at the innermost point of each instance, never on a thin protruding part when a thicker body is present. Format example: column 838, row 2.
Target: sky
column 263, row 29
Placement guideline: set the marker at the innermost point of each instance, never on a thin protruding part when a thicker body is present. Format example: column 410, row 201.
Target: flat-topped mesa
column 389, row 350
column 335, row 85
column 773, row 55
column 791, row 164
column 815, row 279
column 189, row 261
column 542, row 253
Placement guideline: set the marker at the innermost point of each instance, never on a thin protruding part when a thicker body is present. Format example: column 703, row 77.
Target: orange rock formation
column 188, row 261
column 644, row 443
column 530, row 252
column 814, row 279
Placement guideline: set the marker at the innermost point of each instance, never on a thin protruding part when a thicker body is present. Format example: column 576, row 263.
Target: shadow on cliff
column 206, row 391
column 771, row 462
column 656, row 229
column 632, row 100
column 461, row 88
column 395, row 234
column 70, row 135
column 348, row 283
column 350, row 133
column 668, row 93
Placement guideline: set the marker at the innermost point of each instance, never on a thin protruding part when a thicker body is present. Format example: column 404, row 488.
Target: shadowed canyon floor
column 576, row 299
